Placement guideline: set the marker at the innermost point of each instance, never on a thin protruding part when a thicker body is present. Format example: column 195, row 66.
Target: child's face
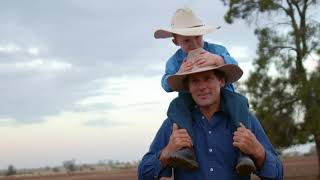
column 188, row 43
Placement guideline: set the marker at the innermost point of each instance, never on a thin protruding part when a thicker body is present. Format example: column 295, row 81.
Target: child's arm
column 222, row 52
column 172, row 67
column 206, row 58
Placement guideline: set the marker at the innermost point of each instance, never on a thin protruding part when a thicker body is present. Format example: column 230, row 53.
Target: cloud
column 103, row 123
column 312, row 62
column 34, row 65
column 242, row 53
column 9, row 48
column 55, row 54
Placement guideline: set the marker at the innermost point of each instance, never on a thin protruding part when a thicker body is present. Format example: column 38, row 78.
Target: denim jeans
column 234, row 104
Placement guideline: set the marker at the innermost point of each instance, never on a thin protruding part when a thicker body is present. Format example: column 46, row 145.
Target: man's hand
column 247, row 142
column 178, row 139
column 206, row 58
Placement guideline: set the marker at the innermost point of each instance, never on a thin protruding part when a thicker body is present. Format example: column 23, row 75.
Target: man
column 187, row 32
column 215, row 145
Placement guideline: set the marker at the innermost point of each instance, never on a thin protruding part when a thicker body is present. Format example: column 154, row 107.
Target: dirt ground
column 295, row 168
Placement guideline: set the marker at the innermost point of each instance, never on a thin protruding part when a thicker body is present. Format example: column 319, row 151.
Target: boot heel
column 245, row 165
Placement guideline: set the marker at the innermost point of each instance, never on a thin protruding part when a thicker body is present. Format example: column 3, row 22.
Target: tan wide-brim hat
column 232, row 73
column 185, row 23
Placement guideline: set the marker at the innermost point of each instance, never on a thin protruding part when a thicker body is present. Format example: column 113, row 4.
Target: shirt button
column 202, row 117
column 211, row 169
column 210, row 150
column 210, row 132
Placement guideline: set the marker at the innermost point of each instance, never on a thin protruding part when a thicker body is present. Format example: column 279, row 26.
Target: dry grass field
column 295, row 168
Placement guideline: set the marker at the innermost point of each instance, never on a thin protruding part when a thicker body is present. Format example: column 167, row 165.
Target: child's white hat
column 185, row 23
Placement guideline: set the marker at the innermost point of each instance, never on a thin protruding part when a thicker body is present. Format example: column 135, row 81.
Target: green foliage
column 244, row 9
column 56, row 169
column 69, row 165
column 11, row 171
column 284, row 96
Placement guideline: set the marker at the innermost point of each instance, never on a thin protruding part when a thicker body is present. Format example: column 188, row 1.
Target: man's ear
column 174, row 40
column 222, row 82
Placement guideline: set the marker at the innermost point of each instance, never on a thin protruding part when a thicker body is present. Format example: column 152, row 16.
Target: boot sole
column 245, row 169
column 175, row 162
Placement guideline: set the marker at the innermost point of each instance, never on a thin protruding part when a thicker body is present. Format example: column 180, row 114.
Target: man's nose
column 202, row 85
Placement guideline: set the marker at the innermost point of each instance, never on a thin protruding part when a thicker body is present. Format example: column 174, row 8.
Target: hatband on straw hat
column 185, row 23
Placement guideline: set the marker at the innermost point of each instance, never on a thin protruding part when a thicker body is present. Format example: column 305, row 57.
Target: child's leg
column 179, row 112
column 236, row 106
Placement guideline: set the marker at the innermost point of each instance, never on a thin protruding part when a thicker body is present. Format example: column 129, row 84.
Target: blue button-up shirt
column 214, row 151
column 175, row 61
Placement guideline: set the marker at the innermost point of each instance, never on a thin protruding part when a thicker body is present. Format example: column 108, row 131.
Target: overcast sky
column 81, row 79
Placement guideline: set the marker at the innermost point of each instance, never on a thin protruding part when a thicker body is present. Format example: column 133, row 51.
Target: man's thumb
column 174, row 127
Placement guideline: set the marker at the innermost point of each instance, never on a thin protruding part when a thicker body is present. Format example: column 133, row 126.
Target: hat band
column 172, row 25
column 196, row 26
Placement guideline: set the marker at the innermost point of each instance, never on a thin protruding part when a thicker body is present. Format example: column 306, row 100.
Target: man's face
column 188, row 43
column 205, row 88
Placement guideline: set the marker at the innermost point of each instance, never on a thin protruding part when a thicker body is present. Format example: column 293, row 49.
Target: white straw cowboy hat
column 185, row 23
column 232, row 72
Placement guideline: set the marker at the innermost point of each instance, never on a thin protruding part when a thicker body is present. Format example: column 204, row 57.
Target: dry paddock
column 295, row 168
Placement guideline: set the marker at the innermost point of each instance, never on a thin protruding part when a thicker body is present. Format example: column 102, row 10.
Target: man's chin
column 203, row 103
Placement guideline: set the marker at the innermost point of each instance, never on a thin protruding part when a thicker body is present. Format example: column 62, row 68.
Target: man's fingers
column 174, row 127
column 181, row 133
column 184, row 142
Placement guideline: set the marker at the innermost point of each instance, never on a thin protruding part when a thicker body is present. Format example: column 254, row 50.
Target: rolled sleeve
column 172, row 66
column 221, row 51
column 272, row 167
column 164, row 83
column 150, row 167
column 228, row 59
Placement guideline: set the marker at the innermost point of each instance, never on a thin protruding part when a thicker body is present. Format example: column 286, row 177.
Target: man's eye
column 193, row 81
column 209, row 78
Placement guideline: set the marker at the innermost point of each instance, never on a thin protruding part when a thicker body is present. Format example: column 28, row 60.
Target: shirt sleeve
column 223, row 52
column 171, row 68
column 272, row 167
column 150, row 166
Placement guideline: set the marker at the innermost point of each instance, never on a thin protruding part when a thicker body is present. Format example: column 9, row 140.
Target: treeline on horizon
column 69, row 167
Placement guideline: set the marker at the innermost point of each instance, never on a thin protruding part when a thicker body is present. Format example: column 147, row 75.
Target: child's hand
column 206, row 58
column 185, row 66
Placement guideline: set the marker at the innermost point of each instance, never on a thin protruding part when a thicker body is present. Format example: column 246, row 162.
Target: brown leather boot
column 245, row 165
column 184, row 158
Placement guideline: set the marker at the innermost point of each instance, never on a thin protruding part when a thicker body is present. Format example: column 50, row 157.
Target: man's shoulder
column 165, row 128
column 166, row 124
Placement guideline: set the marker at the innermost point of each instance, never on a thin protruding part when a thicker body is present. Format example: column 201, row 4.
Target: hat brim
column 195, row 31
column 232, row 74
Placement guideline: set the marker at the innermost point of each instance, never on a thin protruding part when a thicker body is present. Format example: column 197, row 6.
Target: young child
column 187, row 31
